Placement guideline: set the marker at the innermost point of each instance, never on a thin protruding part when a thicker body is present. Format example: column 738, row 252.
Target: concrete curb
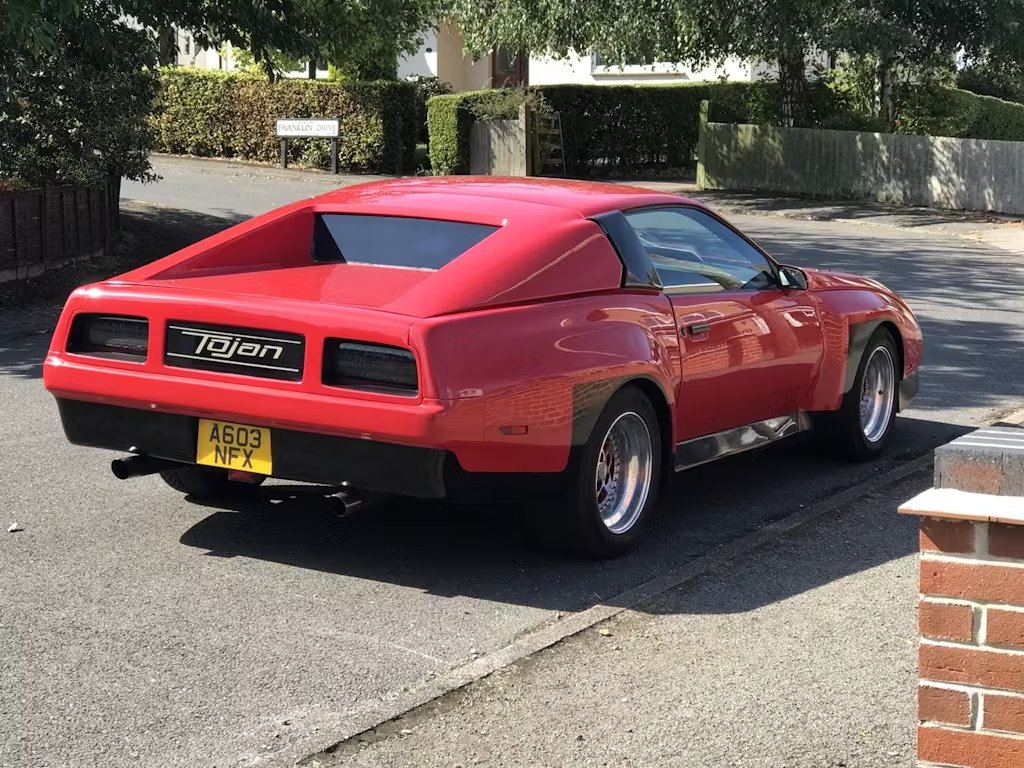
column 318, row 750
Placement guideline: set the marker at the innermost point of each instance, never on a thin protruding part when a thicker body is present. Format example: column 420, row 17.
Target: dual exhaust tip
column 137, row 466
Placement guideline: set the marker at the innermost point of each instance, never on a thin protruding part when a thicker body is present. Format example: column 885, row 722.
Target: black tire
column 572, row 521
column 842, row 431
column 206, row 483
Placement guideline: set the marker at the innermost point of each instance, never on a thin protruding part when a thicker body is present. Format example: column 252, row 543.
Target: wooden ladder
column 550, row 160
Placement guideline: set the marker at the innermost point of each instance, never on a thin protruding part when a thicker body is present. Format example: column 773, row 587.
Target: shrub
column 230, row 115
column 449, row 122
column 1001, row 78
column 76, row 113
column 426, row 88
column 952, row 112
column 608, row 129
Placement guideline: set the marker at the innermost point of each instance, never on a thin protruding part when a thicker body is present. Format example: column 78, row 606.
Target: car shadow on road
column 485, row 552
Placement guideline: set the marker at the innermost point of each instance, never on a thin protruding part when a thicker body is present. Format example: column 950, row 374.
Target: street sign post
column 288, row 127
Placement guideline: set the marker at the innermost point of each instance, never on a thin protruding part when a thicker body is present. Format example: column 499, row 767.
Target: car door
column 749, row 348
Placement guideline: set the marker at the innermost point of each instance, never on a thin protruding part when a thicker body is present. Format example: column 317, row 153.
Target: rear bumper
column 467, row 428
column 371, row 465
column 303, row 456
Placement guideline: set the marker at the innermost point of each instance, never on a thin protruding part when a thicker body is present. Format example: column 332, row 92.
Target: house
column 441, row 55
column 191, row 54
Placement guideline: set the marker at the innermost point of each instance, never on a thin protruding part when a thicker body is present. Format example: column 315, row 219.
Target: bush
column 230, row 115
column 76, row 113
column 1003, row 79
column 631, row 129
column 612, row 129
column 960, row 114
column 636, row 130
column 449, row 122
column 426, row 88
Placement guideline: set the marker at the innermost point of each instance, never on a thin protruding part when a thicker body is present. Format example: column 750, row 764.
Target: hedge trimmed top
column 609, row 129
column 219, row 114
column 653, row 129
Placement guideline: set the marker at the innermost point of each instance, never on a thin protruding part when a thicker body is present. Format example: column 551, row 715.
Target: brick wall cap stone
column 988, row 460
column 952, row 504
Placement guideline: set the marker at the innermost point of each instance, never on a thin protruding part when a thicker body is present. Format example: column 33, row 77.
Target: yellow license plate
column 234, row 446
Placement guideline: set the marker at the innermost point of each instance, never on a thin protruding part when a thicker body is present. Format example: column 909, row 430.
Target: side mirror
column 792, row 278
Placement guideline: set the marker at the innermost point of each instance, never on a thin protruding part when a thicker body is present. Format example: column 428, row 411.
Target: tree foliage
column 897, row 33
column 74, row 97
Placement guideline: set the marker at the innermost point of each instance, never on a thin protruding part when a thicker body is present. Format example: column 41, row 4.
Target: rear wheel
column 205, row 482
column 861, row 428
column 612, row 481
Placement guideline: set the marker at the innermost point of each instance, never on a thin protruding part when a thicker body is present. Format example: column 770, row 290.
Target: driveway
column 138, row 628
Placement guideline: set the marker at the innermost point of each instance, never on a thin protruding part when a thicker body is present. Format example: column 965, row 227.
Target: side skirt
column 701, row 450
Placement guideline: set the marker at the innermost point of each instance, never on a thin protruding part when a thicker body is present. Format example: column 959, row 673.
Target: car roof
column 476, row 195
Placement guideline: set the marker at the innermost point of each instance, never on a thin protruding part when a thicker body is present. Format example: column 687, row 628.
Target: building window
column 509, row 67
column 600, row 60
column 599, row 64
column 188, row 44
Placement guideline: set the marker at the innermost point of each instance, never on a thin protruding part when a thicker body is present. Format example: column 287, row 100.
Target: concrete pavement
column 141, row 629
column 801, row 655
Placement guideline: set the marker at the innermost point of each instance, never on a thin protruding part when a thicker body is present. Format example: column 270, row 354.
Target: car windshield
column 393, row 241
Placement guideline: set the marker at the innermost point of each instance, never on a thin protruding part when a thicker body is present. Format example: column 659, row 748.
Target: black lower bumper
column 302, row 456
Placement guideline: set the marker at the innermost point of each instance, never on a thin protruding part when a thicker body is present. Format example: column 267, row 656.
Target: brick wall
column 971, row 624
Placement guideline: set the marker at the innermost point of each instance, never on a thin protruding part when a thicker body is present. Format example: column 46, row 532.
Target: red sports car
column 472, row 339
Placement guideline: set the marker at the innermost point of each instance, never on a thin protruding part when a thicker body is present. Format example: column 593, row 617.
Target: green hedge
column 449, row 121
column 217, row 114
column 961, row 114
column 615, row 129
column 609, row 129
column 645, row 130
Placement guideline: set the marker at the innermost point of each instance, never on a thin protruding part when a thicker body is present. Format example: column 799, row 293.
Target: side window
column 694, row 252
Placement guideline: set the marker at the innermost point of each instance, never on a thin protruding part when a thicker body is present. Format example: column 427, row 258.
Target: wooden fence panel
column 933, row 171
column 47, row 227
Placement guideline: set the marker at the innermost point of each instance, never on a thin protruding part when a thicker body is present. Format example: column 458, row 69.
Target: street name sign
column 295, row 128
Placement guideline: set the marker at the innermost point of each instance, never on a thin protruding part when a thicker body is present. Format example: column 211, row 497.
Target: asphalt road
column 138, row 628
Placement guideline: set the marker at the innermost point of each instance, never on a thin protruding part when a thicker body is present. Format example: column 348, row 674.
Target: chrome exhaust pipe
column 137, row 466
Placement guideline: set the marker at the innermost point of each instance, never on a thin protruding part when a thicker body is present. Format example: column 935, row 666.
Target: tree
column 698, row 32
column 74, row 100
column 363, row 40
column 694, row 32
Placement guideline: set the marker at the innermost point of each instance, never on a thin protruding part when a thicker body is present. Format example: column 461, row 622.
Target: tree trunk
column 267, row 65
column 312, row 67
column 167, row 46
column 883, row 84
column 793, row 88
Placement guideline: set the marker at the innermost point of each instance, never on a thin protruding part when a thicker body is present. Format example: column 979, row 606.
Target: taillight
column 115, row 337
column 378, row 367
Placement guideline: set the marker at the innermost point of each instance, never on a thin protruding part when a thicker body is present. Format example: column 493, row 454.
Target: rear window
column 393, row 241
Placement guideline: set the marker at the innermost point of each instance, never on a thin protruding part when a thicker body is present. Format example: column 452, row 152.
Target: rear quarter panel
column 548, row 367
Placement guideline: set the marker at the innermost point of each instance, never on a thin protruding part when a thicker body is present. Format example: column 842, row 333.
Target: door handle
column 698, row 329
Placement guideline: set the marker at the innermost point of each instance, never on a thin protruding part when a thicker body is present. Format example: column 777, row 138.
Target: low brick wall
column 49, row 227
column 971, row 605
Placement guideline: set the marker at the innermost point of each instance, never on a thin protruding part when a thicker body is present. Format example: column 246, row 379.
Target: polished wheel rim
column 877, row 393
column 625, row 465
